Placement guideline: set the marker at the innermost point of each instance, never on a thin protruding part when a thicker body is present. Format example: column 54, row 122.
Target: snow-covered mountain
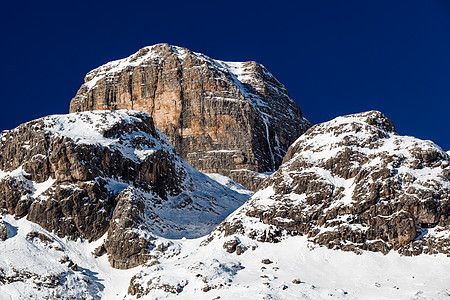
column 97, row 205
column 350, row 184
column 83, row 175
column 231, row 118
column 36, row 264
column 354, row 184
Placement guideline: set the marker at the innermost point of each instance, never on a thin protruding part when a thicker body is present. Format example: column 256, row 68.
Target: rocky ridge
column 86, row 174
column 353, row 184
column 231, row 118
column 262, row 250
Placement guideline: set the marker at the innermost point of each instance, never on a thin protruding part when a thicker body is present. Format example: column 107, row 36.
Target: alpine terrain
column 101, row 204
column 103, row 175
column 231, row 118
column 377, row 203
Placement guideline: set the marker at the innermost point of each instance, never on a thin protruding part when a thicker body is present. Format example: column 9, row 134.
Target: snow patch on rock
column 353, row 184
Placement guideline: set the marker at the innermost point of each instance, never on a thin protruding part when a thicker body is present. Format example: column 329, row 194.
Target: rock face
column 71, row 173
column 354, row 184
column 3, row 231
column 231, row 118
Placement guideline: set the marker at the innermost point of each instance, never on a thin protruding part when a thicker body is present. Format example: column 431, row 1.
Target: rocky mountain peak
column 81, row 190
column 85, row 174
column 354, row 184
column 363, row 129
column 232, row 118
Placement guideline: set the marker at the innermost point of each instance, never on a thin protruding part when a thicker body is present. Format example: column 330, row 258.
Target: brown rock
column 219, row 116
column 3, row 231
column 64, row 259
column 240, row 249
column 45, row 239
column 99, row 251
column 89, row 162
column 74, row 213
column 352, row 184
column 14, row 195
column 126, row 248
column 230, row 246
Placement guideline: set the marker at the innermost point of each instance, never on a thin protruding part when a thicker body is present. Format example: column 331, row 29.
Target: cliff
column 231, row 118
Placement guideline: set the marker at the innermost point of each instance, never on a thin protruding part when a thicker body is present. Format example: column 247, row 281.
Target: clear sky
column 334, row 57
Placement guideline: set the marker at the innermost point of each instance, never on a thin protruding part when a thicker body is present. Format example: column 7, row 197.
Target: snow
column 212, row 202
column 116, row 186
column 265, row 196
column 143, row 154
column 93, row 279
column 326, row 140
column 202, row 203
column 198, row 265
column 239, row 70
column 118, row 66
column 35, row 188
column 89, row 127
column 19, row 172
column 192, row 262
column 39, row 188
column 337, row 273
column 229, row 183
column 263, row 175
column 322, row 273
column 222, row 151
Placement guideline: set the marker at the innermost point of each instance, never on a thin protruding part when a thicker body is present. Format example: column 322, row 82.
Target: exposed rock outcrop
column 222, row 117
column 3, row 231
column 71, row 173
column 354, row 184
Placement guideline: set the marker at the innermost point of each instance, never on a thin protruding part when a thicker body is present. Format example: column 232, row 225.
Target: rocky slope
column 350, row 184
column 86, row 174
column 36, row 264
column 353, row 184
column 231, row 118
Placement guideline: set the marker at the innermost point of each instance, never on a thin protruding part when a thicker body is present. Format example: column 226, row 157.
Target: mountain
column 377, row 203
column 97, row 205
column 231, row 118
column 354, row 184
column 86, row 174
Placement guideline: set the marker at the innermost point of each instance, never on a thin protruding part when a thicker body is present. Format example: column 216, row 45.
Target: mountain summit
column 351, row 185
column 86, row 194
column 354, row 184
column 232, row 118
column 86, row 174
column 98, row 203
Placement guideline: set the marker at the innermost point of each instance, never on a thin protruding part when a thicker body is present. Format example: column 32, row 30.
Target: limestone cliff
column 232, row 118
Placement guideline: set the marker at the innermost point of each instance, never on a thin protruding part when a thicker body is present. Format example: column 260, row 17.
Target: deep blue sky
column 335, row 57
